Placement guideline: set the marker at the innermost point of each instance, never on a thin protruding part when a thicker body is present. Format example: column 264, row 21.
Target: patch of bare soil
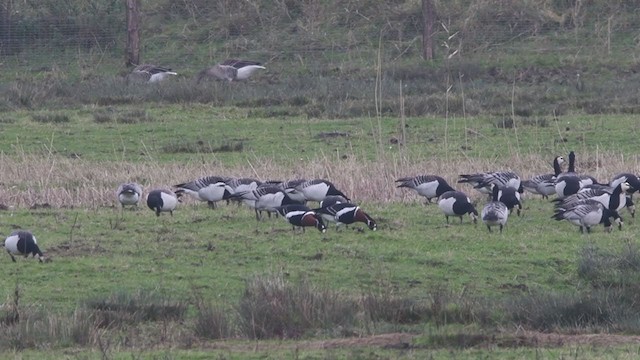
column 403, row 341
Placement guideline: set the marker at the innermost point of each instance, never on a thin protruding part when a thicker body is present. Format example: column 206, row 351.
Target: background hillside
column 327, row 58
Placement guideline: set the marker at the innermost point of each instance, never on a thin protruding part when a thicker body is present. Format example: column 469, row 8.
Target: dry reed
column 35, row 180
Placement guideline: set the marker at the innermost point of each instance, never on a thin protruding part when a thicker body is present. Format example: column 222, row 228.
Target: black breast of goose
column 510, row 197
column 429, row 186
column 457, row 203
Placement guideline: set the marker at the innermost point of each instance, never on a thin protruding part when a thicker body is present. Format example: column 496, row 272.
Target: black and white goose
column 588, row 213
column 162, row 200
column 152, row 73
column 483, row 181
column 613, row 199
column 495, row 212
column 129, row 194
column 457, row 203
column 318, row 190
column 22, row 243
column 290, row 187
column 266, row 198
column 242, row 185
column 209, row 188
column 510, row 197
column 302, row 216
column 570, row 182
column 231, row 70
column 346, row 213
column 429, row 186
column 545, row 184
column 631, row 179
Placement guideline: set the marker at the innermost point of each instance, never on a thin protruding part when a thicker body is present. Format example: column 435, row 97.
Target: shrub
column 272, row 308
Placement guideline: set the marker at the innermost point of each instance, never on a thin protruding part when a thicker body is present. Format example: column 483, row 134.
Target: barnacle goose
column 457, row 203
column 483, row 181
column 495, row 212
column 587, row 213
column 613, row 199
column 544, row 184
column 22, row 242
column 318, row 190
column 162, row 200
column 129, row 194
column 265, row 198
column 510, row 197
column 429, row 186
column 568, row 183
column 209, row 188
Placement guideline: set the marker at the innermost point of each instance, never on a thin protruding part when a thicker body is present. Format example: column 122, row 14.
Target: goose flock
column 579, row 199
column 229, row 70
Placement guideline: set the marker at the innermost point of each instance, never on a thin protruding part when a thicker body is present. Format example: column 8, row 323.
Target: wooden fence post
column 428, row 19
column 133, row 35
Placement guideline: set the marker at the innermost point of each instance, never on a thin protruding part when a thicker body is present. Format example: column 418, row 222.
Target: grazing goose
column 290, row 187
column 266, row 198
column 230, row 70
column 613, row 199
column 22, row 242
column 429, row 186
column 129, row 194
column 495, row 212
column 510, row 197
column 301, row 216
column 483, row 181
column 457, row 203
column 318, row 190
column 152, row 73
column 545, row 184
column 209, row 188
column 346, row 213
column 329, row 201
column 588, row 213
column 241, row 185
column 162, row 200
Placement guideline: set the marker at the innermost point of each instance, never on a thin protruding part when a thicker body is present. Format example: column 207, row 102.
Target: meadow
column 125, row 283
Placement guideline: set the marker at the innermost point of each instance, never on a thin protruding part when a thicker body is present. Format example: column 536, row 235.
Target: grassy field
column 346, row 96
column 59, row 180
